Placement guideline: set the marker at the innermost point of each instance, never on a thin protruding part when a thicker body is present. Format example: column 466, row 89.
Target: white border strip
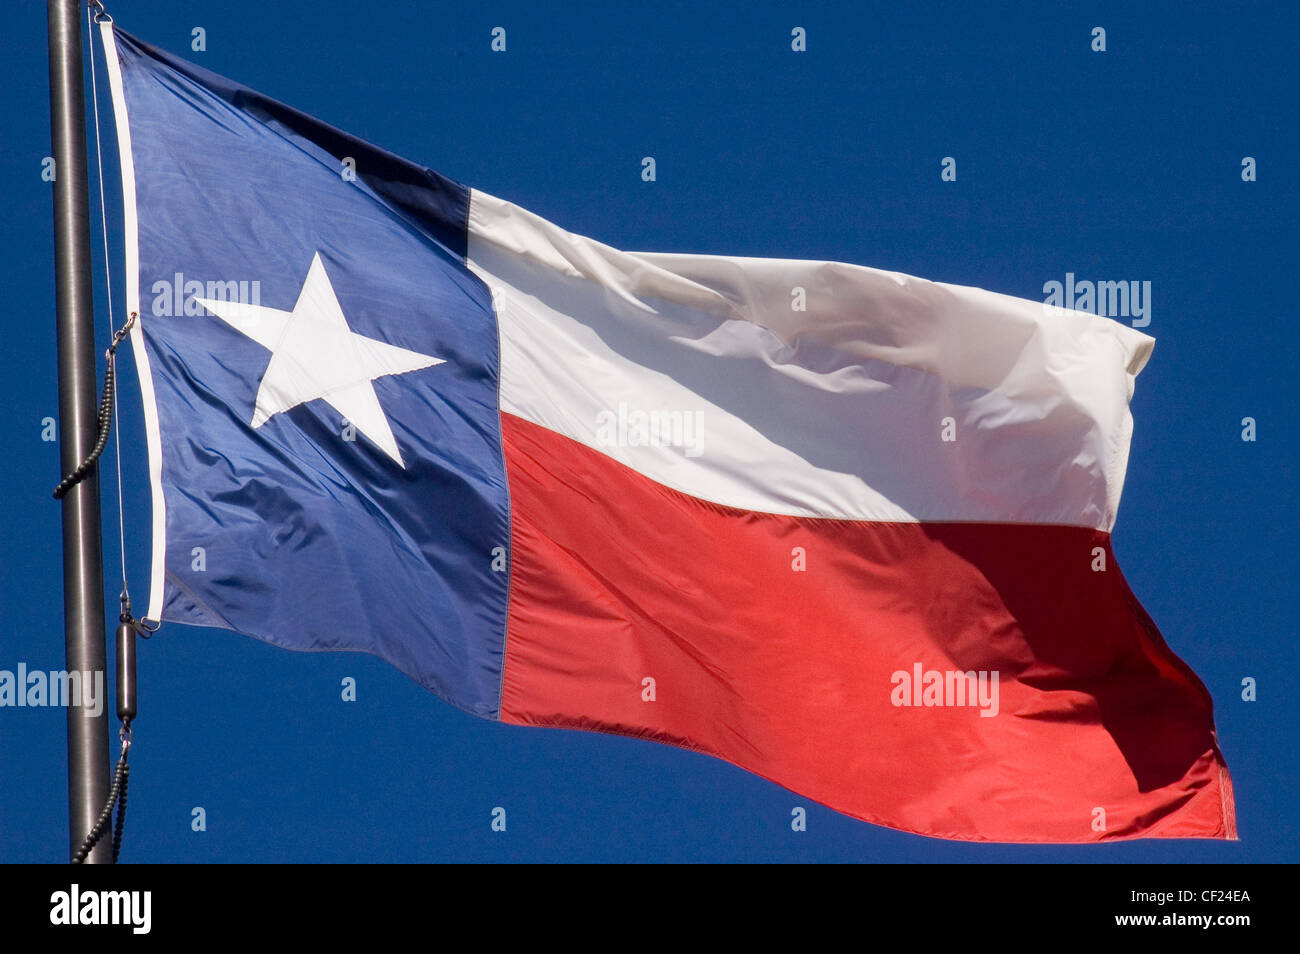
column 131, row 241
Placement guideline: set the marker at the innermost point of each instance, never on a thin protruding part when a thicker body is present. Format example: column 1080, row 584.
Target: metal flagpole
column 83, row 571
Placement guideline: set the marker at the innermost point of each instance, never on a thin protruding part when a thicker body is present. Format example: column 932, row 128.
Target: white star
column 315, row 355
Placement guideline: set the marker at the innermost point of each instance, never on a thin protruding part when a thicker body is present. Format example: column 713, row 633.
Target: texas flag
column 845, row 528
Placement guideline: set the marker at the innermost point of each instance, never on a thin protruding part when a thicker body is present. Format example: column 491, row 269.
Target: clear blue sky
column 1117, row 165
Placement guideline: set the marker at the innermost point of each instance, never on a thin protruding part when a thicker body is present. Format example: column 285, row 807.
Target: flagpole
column 83, row 571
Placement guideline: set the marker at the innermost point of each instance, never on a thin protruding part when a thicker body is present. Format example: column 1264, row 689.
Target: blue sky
column 1122, row 165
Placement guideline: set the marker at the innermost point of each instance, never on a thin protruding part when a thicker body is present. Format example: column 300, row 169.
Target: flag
column 847, row 529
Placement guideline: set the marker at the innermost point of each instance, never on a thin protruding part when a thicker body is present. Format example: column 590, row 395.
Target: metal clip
column 120, row 335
